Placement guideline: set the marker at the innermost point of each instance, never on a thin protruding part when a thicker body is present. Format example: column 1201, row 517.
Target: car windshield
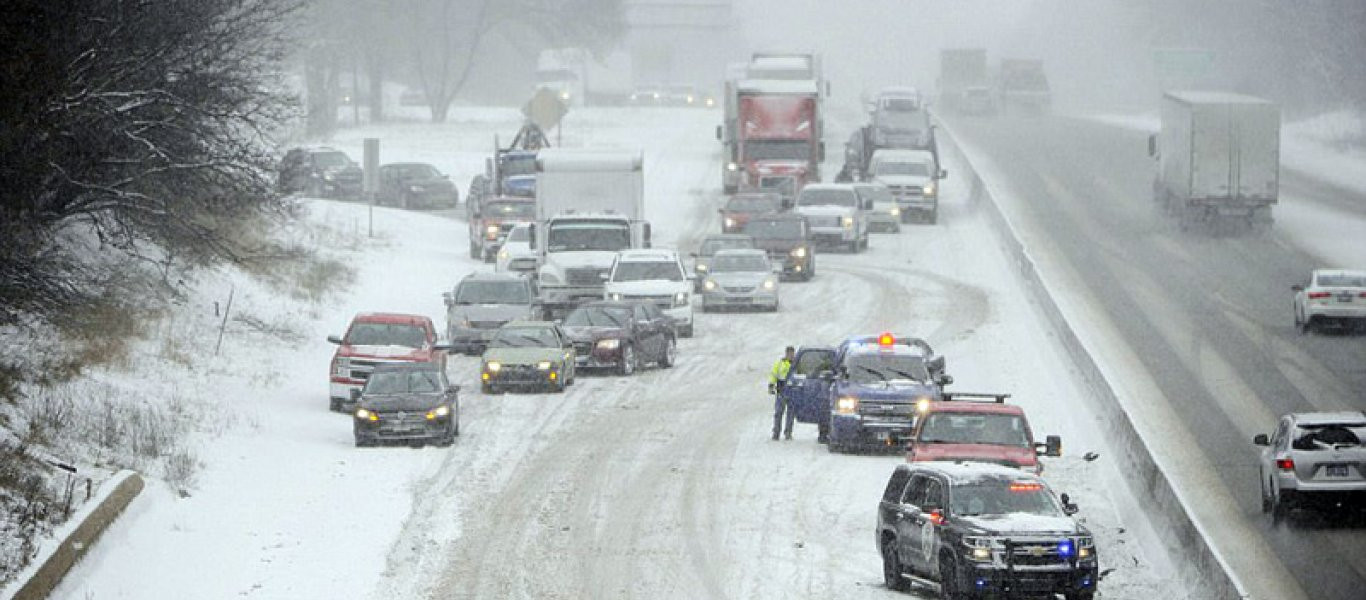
column 331, row 160
column 386, row 334
column 878, row 367
column 777, row 150
column 784, row 185
column 647, row 271
column 418, row 172
column 519, row 234
column 786, row 229
column 608, row 236
column 901, row 104
column 902, row 168
column 714, row 245
column 510, row 210
column 974, row 428
column 997, row 497
column 518, row 165
column 525, row 337
column 492, row 292
column 1341, row 280
column 403, row 382
column 810, row 197
column 599, row 316
column 742, row 263
column 1333, row 436
column 752, row 204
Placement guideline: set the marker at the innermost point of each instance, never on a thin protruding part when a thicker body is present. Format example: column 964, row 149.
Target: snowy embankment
column 586, row 494
column 1330, row 149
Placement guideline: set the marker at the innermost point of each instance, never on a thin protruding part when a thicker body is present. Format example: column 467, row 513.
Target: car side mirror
column 909, row 510
column 1152, row 145
column 1052, row 446
column 945, row 380
column 448, row 298
column 692, row 254
column 1297, row 288
column 1261, row 440
column 718, row 133
column 355, row 395
column 335, row 339
column 1067, row 506
column 453, row 388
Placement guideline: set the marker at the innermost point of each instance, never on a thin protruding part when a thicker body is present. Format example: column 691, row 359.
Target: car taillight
column 936, row 517
column 1318, row 295
column 1285, row 464
column 1362, row 295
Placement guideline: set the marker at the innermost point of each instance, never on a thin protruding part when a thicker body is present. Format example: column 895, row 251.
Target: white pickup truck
column 835, row 214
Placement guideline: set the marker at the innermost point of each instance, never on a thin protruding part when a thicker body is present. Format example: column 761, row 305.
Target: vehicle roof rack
column 975, row 396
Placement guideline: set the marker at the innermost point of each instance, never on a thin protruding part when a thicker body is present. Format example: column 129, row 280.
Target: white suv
column 1332, row 296
column 657, row 277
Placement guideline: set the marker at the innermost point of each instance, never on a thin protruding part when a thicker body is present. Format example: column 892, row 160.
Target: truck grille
column 402, row 419
column 738, row 290
column 824, row 221
column 906, row 190
column 584, row 276
column 361, row 369
column 660, row 301
column 1039, row 553
column 886, row 409
column 583, row 348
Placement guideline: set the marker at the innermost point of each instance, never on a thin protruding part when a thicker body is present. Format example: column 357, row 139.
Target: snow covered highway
column 664, row 484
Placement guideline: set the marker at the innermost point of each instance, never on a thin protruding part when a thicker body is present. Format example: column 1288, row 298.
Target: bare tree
column 447, row 37
column 137, row 127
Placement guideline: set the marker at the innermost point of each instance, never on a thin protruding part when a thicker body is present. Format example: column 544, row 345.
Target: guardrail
column 1198, row 561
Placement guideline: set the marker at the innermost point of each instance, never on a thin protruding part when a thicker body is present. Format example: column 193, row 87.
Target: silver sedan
column 740, row 279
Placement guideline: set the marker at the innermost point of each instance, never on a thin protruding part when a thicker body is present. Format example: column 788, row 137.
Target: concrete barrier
column 89, row 523
column 1206, row 572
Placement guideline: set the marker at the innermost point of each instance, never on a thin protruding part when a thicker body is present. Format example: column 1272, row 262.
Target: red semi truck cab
column 780, row 130
column 375, row 338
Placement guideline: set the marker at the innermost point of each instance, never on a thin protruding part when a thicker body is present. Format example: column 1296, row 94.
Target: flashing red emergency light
column 886, row 339
column 1026, row 487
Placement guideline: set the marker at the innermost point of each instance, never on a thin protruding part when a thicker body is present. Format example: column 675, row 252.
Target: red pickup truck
column 977, row 427
column 376, row 338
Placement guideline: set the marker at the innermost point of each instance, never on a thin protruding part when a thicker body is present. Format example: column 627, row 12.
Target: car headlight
column 847, row 222
column 981, row 546
column 564, row 95
column 730, row 222
column 329, row 176
column 896, row 211
column 341, row 367
column 710, row 103
column 681, row 299
column 770, row 284
column 732, row 167
column 503, row 255
column 846, row 405
column 416, row 189
column 493, row 366
column 543, row 365
column 609, row 344
column 708, row 285
column 922, row 404
column 491, row 232
column 928, row 189
column 701, row 267
column 439, row 412
column 366, row 415
column 614, row 297
column 799, row 252
column 691, row 99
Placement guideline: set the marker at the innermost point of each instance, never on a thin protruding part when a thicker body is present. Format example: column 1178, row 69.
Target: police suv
column 864, row 392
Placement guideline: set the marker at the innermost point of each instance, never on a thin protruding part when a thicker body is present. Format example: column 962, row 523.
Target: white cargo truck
column 1218, row 159
column 590, row 204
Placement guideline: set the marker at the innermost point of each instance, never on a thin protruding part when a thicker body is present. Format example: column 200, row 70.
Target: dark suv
column 320, row 172
column 982, row 530
column 416, row 185
column 621, row 335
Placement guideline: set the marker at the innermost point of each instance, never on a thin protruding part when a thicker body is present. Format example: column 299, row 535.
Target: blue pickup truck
column 863, row 393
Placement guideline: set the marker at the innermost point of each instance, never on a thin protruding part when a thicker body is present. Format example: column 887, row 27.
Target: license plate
column 1344, row 297
column 1336, row 470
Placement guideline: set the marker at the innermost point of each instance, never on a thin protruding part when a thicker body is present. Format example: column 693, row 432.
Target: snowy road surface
column 1209, row 322
column 661, row 485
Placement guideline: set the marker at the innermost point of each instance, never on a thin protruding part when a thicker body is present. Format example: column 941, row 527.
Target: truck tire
column 950, row 587
column 934, row 216
column 686, row 331
column 670, row 354
column 629, row 362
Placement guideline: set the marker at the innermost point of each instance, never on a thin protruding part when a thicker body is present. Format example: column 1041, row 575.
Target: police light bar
column 1025, row 487
column 886, row 339
column 977, row 396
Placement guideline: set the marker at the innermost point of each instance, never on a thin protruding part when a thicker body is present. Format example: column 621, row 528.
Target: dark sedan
column 621, row 336
column 410, row 403
column 742, row 207
column 415, row 185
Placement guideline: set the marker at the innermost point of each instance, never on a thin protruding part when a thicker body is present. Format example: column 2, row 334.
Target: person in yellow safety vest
column 777, row 378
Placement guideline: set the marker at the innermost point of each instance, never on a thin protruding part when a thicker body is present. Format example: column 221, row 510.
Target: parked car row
column 325, row 172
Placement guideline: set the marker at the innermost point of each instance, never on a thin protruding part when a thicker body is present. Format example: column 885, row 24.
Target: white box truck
column 1218, row 159
column 590, row 204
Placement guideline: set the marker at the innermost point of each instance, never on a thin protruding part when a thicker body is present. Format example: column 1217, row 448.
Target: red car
column 977, row 427
column 745, row 205
column 378, row 338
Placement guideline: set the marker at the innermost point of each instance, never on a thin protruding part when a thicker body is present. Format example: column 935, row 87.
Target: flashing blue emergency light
column 1085, row 582
column 1065, row 548
column 981, row 583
